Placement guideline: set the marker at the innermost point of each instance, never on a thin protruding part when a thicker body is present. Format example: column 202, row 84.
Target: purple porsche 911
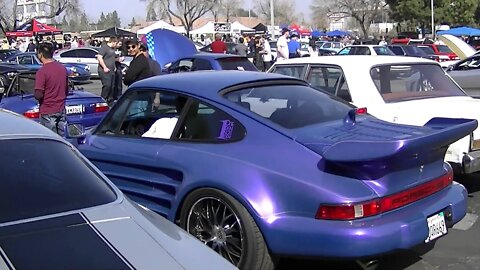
column 260, row 166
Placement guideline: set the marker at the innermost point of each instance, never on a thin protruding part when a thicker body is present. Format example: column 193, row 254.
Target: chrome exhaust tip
column 368, row 265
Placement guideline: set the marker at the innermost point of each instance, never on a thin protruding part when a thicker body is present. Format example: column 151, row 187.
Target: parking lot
column 458, row 250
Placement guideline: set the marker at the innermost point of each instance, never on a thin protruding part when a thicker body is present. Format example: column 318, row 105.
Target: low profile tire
column 223, row 224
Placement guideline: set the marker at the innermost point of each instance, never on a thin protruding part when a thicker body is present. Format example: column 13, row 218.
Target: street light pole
column 433, row 21
column 272, row 20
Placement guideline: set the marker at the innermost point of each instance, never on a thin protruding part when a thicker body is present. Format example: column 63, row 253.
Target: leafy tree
column 102, row 21
column 186, row 11
column 284, row 11
column 320, row 14
column 84, row 22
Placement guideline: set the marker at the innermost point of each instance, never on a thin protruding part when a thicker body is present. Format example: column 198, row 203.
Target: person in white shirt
column 74, row 43
column 282, row 45
column 22, row 46
column 267, row 54
column 383, row 42
column 163, row 127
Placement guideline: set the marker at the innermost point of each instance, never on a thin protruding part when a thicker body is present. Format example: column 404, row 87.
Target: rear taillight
column 32, row 114
column 361, row 110
column 101, row 107
column 385, row 204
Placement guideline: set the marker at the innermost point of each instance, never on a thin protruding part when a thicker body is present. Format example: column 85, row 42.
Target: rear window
column 290, row 106
column 398, row 83
column 414, row 51
column 43, row 177
column 236, row 63
column 444, row 49
column 427, row 50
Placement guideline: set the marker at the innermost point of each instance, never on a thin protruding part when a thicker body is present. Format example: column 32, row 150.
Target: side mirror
column 74, row 131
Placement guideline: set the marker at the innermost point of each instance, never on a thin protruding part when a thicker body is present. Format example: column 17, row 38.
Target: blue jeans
column 55, row 122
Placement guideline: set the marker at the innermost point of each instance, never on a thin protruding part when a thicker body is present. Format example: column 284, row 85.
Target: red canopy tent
column 300, row 30
column 33, row 28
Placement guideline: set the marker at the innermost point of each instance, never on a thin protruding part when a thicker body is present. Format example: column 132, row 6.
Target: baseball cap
column 284, row 30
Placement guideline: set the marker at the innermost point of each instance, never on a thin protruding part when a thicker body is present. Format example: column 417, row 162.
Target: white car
column 365, row 50
column 331, row 46
column 403, row 90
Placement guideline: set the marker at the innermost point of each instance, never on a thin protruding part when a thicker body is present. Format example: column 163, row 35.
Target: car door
column 129, row 159
column 466, row 74
column 89, row 57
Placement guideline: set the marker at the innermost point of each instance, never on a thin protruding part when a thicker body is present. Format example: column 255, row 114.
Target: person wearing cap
column 139, row 68
column 293, row 47
column 282, row 45
column 155, row 68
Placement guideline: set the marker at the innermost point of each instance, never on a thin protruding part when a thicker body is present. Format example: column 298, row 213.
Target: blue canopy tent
column 461, row 31
column 336, row 33
column 317, row 33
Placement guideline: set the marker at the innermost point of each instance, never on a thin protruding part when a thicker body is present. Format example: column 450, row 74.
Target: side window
column 293, row 71
column 151, row 114
column 85, row 53
column 472, row 63
column 71, row 53
column 397, row 50
column 201, row 64
column 327, row 45
column 331, row 80
column 346, row 51
column 363, row 51
column 25, row 60
column 205, row 123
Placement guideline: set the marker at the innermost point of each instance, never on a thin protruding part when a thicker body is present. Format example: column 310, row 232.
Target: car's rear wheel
column 223, row 224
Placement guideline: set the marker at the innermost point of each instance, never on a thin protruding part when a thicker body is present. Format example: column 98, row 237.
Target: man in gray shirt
column 241, row 49
column 106, row 69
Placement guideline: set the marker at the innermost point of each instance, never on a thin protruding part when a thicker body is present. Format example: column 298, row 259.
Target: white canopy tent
column 160, row 25
column 238, row 27
column 207, row 28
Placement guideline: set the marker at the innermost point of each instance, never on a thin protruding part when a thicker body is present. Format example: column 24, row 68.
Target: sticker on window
column 227, row 130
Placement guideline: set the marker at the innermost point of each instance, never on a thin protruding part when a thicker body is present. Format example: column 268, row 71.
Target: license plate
column 436, row 226
column 75, row 109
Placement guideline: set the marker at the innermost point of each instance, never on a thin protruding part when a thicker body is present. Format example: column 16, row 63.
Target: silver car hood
column 115, row 236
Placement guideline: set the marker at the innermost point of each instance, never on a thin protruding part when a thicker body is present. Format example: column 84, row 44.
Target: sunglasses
column 131, row 47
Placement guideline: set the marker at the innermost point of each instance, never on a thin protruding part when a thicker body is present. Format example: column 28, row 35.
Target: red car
column 442, row 50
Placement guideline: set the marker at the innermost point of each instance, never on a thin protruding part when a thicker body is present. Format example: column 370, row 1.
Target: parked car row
column 322, row 152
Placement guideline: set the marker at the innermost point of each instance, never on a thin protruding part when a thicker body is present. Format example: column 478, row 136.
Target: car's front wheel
column 223, row 224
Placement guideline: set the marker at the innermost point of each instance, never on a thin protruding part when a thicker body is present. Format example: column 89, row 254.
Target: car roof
column 15, row 125
column 78, row 48
column 208, row 83
column 359, row 60
column 366, row 45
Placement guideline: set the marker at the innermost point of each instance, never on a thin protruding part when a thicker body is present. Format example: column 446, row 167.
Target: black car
column 411, row 50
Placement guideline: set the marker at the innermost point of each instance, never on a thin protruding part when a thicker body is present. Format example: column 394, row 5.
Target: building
column 27, row 9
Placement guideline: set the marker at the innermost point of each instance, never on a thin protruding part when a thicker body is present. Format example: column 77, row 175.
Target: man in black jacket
column 139, row 68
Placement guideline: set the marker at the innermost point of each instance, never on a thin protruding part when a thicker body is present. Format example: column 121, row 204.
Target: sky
column 127, row 9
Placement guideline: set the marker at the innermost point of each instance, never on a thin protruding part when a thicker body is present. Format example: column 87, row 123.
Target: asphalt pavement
column 458, row 250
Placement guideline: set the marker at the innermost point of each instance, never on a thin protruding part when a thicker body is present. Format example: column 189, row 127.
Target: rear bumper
column 404, row 228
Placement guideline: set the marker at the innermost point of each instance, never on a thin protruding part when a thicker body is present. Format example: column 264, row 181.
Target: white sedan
column 403, row 90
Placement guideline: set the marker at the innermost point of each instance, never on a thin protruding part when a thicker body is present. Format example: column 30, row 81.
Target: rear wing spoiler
column 441, row 133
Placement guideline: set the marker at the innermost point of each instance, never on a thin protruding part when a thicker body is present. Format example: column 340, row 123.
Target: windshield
column 236, row 63
column 410, row 82
column 290, row 106
column 42, row 177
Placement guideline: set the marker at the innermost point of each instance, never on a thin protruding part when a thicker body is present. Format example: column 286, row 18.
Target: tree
column 284, row 11
column 115, row 20
column 9, row 14
column 240, row 12
column 418, row 12
column 362, row 11
column 320, row 14
column 151, row 14
column 133, row 23
column 187, row 11
column 102, row 21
